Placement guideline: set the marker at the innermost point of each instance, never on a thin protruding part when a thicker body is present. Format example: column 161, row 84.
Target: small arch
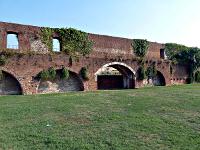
column 59, row 85
column 56, row 45
column 122, row 76
column 9, row 85
column 159, row 79
column 12, row 40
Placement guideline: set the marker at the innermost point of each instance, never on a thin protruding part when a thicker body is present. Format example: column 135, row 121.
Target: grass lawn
column 148, row 118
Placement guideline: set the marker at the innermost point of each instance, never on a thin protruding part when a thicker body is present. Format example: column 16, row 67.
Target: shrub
column 84, row 73
column 197, row 76
column 52, row 73
column 64, row 73
column 2, row 60
column 44, row 75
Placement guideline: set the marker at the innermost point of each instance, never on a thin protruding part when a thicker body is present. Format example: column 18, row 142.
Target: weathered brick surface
column 106, row 49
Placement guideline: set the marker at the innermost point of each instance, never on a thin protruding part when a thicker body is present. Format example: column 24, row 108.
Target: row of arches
column 115, row 75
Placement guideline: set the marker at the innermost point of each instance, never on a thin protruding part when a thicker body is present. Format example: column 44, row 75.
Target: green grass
column 148, row 118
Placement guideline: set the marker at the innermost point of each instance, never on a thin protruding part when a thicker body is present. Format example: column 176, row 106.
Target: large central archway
column 115, row 75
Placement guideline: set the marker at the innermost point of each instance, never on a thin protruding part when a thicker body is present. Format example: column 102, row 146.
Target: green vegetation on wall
column 73, row 42
column 184, row 55
column 2, row 60
column 141, row 72
column 84, row 73
column 64, row 73
column 47, row 34
column 151, row 71
column 140, row 47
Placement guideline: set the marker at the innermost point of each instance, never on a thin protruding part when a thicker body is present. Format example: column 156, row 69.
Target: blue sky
column 156, row 20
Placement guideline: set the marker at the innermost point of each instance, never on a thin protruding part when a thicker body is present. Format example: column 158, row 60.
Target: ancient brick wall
column 25, row 67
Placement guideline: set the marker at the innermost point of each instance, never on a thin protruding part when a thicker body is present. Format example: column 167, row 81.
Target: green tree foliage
column 140, row 47
column 184, row 55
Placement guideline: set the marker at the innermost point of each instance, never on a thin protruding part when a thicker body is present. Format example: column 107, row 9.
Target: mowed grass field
column 149, row 118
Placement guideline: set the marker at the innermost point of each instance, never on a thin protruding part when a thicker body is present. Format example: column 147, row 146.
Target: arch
column 124, row 81
column 9, row 85
column 159, row 79
column 58, row 85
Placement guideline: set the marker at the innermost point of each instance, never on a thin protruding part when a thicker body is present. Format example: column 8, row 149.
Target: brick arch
column 15, row 78
column 164, row 74
column 115, row 63
column 161, row 77
column 72, row 72
column 128, row 75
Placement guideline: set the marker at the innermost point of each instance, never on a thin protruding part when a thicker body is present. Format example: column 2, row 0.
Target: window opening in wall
column 56, row 45
column 162, row 54
column 12, row 41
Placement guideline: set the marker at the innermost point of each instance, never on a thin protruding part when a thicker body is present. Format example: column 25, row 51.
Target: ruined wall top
column 29, row 40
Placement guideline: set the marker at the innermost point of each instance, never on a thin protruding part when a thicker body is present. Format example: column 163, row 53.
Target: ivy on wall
column 73, row 42
column 140, row 47
column 184, row 55
column 46, row 35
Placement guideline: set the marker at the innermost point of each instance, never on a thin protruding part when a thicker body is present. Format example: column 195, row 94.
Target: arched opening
column 59, row 85
column 115, row 75
column 159, row 79
column 9, row 85
column 12, row 41
column 56, row 45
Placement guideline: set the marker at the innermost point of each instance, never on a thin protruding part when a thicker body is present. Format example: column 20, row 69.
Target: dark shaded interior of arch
column 111, row 82
column 9, row 85
column 73, row 83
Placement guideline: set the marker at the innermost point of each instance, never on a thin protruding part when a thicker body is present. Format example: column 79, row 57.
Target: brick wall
column 106, row 49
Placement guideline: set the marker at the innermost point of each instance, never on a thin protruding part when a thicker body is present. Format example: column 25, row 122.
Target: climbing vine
column 141, row 72
column 184, row 55
column 73, row 42
column 47, row 34
column 151, row 71
column 140, row 47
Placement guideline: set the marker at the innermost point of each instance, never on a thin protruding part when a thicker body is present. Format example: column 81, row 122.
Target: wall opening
column 115, row 76
column 159, row 79
column 12, row 41
column 56, row 45
column 9, row 85
column 162, row 54
column 58, row 85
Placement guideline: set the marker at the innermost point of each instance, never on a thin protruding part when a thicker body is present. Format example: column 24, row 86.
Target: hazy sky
column 156, row 20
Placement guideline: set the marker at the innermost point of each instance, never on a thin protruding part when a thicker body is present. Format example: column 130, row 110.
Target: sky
column 162, row 21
